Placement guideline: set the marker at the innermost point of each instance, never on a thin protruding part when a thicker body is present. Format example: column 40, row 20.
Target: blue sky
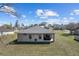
column 52, row 13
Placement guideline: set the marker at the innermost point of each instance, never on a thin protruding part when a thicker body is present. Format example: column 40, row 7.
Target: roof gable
column 35, row 29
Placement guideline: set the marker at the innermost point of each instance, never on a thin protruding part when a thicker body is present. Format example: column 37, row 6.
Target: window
column 24, row 34
column 40, row 37
column 35, row 40
column 30, row 37
column 47, row 37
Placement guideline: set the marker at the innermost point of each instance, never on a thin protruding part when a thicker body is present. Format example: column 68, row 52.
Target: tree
column 50, row 25
column 17, row 24
column 35, row 25
column 43, row 24
column 71, row 27
column 77, row 26
column 22, row 25
column 7, row 26
column 31, row 25
column 56, row 27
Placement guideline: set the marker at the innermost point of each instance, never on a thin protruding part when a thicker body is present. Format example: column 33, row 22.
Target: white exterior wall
column 6, row 33
column 25, row 38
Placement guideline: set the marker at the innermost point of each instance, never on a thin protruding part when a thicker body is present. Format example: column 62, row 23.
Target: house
column 76, row 34
column 5, row 31
column 35, row 34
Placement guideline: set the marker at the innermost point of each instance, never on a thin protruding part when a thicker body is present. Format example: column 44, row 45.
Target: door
column 35, row 40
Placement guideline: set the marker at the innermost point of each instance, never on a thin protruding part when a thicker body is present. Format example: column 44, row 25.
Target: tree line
column 71, row 26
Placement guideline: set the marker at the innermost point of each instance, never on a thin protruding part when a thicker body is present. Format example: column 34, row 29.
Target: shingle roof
column 3, row 29
column 35, row 29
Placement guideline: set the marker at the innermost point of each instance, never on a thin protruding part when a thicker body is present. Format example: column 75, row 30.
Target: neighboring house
column 4, row 31
column 35, row 34
column 66, row 31
column 76, row 34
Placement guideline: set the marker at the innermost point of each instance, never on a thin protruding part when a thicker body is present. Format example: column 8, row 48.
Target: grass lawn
column 63, row 45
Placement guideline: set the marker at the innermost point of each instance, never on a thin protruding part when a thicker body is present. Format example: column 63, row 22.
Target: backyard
column 64, row 45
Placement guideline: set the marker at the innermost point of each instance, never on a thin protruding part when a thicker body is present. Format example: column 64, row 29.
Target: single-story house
column 76, row 34
column 35, row 34
column 4, row 31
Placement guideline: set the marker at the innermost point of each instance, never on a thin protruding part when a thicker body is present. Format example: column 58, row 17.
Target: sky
column 35, row 13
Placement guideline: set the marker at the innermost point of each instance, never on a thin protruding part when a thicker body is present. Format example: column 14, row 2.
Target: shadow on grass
column 18, row 43
column 65, row 34
column 76, row 40
column 70, row 35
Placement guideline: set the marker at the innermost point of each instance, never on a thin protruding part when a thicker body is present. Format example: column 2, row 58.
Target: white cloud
column 50, row 13
column 53, row 21
column 13, row 16
column 72, row 13
column 46, row 13
column 65, row 21
column 39, row 12
column 71, row 18
column 75, row 12
column 32, row 20
column 65, row 18
column 43, row 17
column 9, row 10
column 24, row 16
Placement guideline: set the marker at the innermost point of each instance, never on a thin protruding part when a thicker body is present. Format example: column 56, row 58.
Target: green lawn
column 63, row 45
